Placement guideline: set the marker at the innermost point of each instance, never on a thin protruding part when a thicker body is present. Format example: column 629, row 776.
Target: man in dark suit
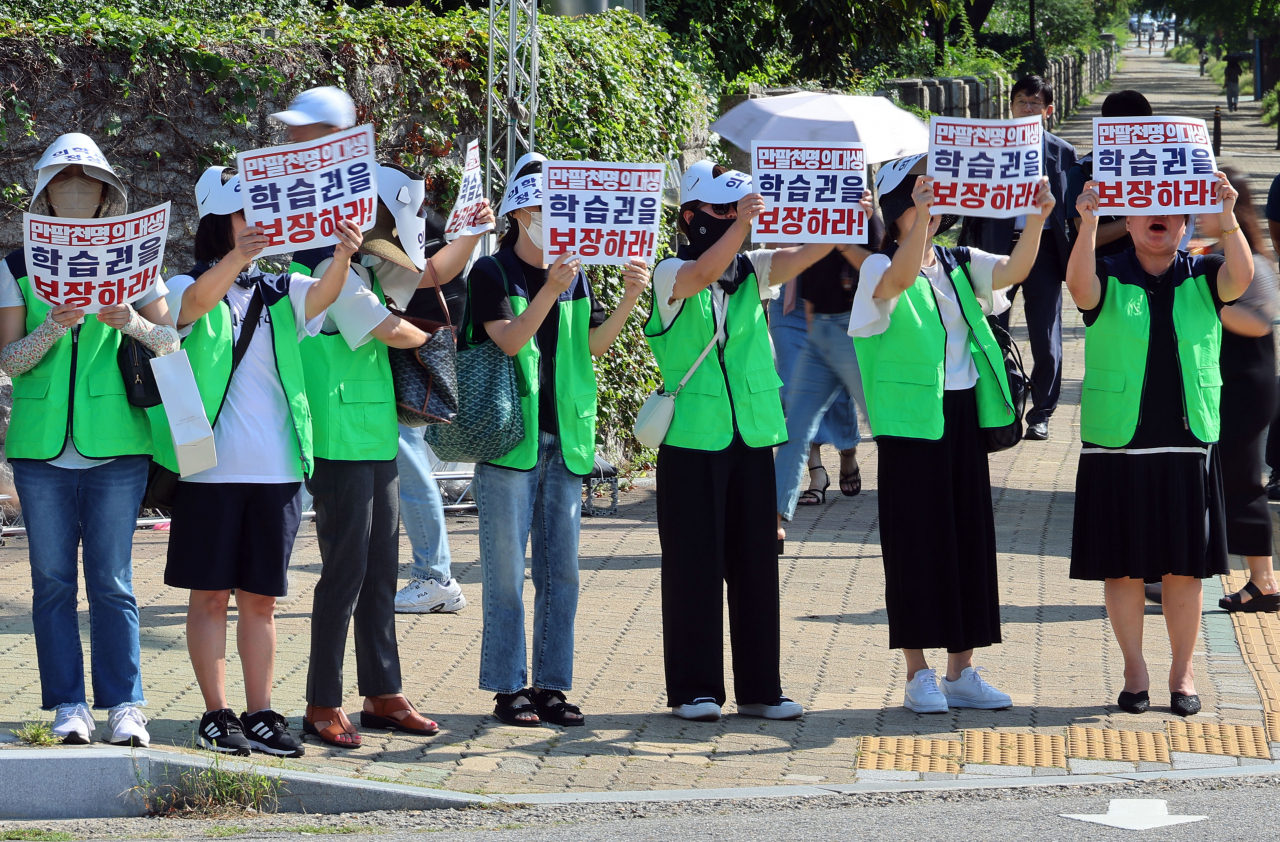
column 1042, row 290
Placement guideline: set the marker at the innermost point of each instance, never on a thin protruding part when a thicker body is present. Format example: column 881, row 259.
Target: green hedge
column 610, row 89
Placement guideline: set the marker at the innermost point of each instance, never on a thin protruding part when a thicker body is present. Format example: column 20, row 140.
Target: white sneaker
column 784, row 709
column 427, row 596
column 923, row 695
column 74, row 724
column 971, row 690
column 128, row 727
column 699, row 710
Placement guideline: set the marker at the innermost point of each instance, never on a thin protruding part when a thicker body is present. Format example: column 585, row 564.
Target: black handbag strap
column 247, row 327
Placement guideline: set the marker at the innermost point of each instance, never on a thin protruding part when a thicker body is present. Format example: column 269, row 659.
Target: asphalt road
column 1241, row 808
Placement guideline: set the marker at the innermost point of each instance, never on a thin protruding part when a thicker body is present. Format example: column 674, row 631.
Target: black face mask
column 705, row 231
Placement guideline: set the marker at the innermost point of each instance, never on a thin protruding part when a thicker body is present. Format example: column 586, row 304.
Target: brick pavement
column 1059, row 660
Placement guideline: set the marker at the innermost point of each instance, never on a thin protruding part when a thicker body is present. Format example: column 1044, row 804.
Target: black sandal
column 553, row 708
column 815, row 496
column 1258, row 601
column 851, row 483
column 509, row 712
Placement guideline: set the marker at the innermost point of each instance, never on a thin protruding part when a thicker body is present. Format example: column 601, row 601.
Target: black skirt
column 939, row 548
column 1248, row 405
column 1148, row 513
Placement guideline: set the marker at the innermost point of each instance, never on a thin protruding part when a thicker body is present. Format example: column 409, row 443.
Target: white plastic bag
column 188, row 424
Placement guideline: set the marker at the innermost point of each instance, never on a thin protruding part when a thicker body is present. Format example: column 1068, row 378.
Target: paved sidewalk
column 1059, row 660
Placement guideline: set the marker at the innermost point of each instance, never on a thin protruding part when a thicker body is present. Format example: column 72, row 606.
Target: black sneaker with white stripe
column 220, row 731
column 268, row 732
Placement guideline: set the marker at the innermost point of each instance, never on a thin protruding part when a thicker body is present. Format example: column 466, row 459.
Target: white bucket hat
column 71, row 149
column 699, row 184
column 213, row 196
column 328, row 105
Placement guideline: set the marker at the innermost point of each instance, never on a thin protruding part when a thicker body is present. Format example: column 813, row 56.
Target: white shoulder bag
column 654, row 418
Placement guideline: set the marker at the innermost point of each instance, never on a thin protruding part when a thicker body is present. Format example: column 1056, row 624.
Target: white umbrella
column 886, row 130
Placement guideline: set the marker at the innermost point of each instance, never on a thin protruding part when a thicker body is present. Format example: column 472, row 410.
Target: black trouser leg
column 345, row 503
column 377, row 653
column 1042, row 298
column 691, row 536
column 751, row 572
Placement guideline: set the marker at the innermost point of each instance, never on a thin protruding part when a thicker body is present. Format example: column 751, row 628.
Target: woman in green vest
column 934, row 378
column 1149, row 501
column 548, row 319
column 355, row 433
column 79, row 453
column 234, row 524
column 708, row 325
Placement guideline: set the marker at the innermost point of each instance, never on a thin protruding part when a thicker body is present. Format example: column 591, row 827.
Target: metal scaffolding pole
column 512, row 103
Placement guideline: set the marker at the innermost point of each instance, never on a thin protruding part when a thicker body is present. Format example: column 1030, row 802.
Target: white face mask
column 534, row 228
column 77, row 197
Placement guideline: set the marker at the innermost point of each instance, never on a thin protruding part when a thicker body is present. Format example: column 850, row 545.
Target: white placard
column 299, row 192
column 604, row 213
column 462, row 221
column 812, row 191
column 988, row 168
column 1148, row 166
column 95, row 263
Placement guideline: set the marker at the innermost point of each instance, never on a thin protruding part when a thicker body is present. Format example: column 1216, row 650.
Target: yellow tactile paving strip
column 1003, row 749
column 909, row 754
column 1259, row 638
column 1215, row 738
column 1111, row 744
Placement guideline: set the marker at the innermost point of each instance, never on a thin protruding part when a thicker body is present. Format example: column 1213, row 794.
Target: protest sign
column 1147, row 166
column 604, row 213
column 299, row 192
column 812, row 191
column 95, row 263
column 988, row 168
column 462, row 221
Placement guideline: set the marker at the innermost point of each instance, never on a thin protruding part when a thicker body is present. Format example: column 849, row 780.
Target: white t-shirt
column 254, row 436
column 871, row 316
column 11, row 296
column 664, row 285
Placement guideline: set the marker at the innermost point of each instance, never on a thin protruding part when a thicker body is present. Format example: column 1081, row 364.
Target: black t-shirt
column 1162, row 412
column 829, row 284
column 426, row 305
column 489, row 303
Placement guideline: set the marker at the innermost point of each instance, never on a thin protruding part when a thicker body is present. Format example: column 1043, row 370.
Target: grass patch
column 225, row 830
column 36, row 834
column 213, row 792
column 38, row 734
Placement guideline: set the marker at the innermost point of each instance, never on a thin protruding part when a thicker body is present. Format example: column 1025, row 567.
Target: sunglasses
column 724, row 208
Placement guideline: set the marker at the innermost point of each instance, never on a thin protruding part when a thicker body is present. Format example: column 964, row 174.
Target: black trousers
column 358, row 529
column 1273, row 439
column 1042, row 300
column 717, row 526
column 1247, row 406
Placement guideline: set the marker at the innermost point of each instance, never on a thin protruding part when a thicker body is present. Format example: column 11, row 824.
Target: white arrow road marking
column 1136, row 814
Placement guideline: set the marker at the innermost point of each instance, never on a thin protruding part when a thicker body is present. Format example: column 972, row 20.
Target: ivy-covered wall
column 164, row 99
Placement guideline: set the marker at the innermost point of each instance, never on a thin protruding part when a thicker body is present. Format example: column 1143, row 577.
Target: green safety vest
column 210, row 345
column 351, row 394
column 574, row 371
column 75, row 389
column 904, row 368
column 1115, row 353
column 735, row 388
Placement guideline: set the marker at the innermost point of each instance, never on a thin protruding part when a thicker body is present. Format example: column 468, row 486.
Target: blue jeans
column 790, row 333
column 826, row 366
column 100, row 504
column 546, row 501
column 422, row 509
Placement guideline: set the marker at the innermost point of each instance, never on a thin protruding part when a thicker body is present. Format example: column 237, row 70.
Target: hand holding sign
column 749, row 207
column 1087, row 204
column 1045, row 202
column 563, row 271
column 350, row 238
column 67, row 315
column 249, row 243
column 116, row 316
column 922, row 194
column 1227, row 195
column 635, row 279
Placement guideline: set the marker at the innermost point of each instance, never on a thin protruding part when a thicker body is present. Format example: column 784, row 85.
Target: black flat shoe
column 1184, row 705
column 1258, row 601
column 1135, row 702
column 782, row 544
